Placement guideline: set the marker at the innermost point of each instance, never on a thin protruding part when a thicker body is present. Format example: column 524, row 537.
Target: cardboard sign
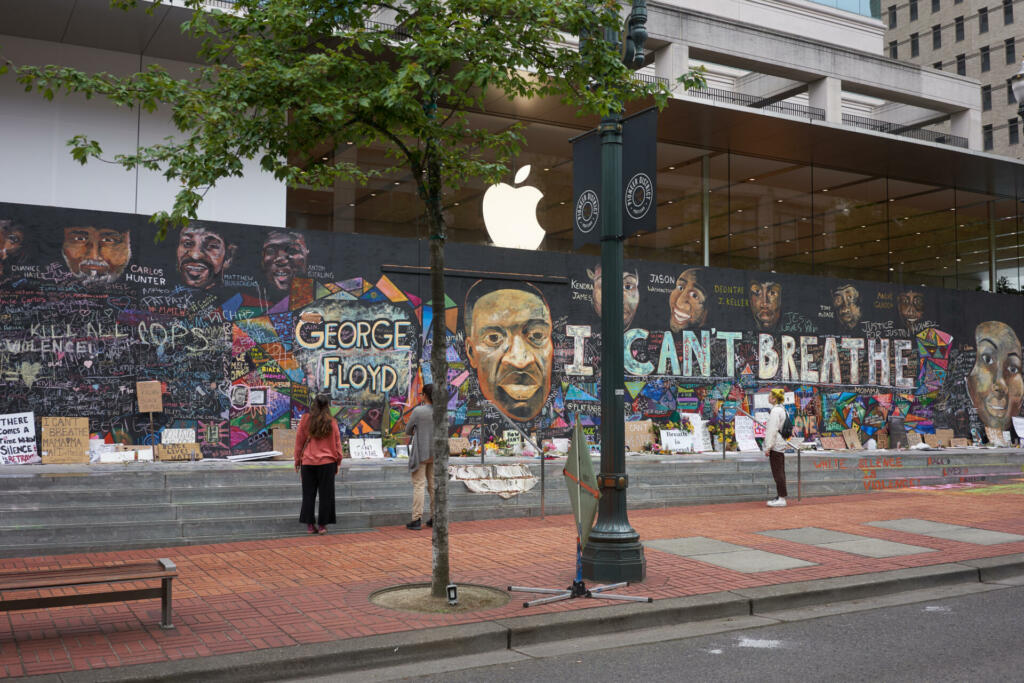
column 64, row 440
column 150, row 396
column 852, row 439
column 178, row 451
column 913, row 438
column 18, row 438
column 1018, row 426
column 997, row 437
column 284, row 441
column 122, row 453
column 833, row 443
column 366, row 448
column 459, row 444
column 745, row 433
column 178, row 436
column 638, row 435
column 932, row 440
column 882, row 438
column 959, row 442
column 944, row 436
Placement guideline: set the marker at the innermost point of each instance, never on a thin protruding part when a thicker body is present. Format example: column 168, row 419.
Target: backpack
column 786, row 430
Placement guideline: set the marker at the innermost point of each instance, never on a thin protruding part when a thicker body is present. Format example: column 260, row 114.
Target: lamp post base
column 614, row 561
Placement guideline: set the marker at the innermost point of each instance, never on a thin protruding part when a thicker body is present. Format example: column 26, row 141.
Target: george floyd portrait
column 204, row 253
column 910, row 306
column 508, row 342
column 12, row 245
column 96, row 256
column 995, row 382
column 284, row 256
column 688, row 302
column 630, row 294
column 765, row 298
column 846, row 305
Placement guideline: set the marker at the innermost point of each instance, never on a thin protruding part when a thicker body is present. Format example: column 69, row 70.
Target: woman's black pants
column 318, row 479
column 778, row 462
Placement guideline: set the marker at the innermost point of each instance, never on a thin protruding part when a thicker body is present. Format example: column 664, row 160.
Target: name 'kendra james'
column 808, row 359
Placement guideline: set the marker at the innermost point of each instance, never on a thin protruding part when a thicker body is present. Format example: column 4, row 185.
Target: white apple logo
column 510, row 214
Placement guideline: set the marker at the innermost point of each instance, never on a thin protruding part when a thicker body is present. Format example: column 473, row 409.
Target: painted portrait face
column 203, row 255
column 846, row 303
column 12, row 241
column 688, row 302
column 995, row 382
column 910, row 305
column 283, row 258
column 96, row 256
column 509, row 345
column 630, row 294
column 765, row 303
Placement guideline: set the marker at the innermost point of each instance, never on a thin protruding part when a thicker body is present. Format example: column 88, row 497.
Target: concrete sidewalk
column 302, row 604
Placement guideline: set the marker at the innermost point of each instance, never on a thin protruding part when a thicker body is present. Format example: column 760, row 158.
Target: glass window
column 986, row 59
column 937, row 36
column 1013, row 133
column 938, row 65
column 894, row 50
column 1007, row 11
column 961, row 65
column 986, row 135
column 1011, row 50
column 958, row 26
column 936, row 5
column 915, row 45
column 913, row 10
column 892, row 16
column 983, row 20
column 986, row 97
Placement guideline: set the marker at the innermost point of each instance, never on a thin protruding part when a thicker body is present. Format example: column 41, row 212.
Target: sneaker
column 415, row 525
column 321, row 529
column 430, row 522
column 310, row 529
column 777, row 503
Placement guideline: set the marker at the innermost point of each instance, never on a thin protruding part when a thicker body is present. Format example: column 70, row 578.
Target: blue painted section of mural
column 243, row 325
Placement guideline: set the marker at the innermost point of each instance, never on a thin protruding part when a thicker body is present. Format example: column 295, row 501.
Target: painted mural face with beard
column 509, row 344
column 765, row 303
column 96, row 256
column 995, row 383
column 284, row 257
column 203, row 255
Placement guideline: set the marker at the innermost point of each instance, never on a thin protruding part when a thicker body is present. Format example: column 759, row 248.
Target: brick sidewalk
column 240, row 597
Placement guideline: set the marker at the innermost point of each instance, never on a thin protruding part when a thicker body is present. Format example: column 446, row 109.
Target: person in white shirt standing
column 775, row 446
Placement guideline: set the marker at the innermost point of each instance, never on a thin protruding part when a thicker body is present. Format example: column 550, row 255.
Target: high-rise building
column 982, row 39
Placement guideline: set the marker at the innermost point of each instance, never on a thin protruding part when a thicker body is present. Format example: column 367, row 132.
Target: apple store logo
column 588, row 211
column 510, row 213
column 639, row 196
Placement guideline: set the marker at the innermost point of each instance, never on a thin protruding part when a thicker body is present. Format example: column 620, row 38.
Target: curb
column 385, row 650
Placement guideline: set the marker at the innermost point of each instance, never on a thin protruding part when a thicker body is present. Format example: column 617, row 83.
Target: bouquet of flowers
column 685, row 426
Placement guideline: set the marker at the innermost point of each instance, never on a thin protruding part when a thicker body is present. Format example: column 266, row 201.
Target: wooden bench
column 162, row 569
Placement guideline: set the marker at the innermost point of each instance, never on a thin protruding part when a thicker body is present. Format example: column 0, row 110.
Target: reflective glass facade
column 867, row 8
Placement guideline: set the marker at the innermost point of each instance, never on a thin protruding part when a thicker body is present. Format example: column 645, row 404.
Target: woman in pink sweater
column 318, row 457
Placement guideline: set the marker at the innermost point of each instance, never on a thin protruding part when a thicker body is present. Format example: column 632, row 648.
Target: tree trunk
column 439, row 372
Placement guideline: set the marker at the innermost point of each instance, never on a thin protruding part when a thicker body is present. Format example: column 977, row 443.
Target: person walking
column 421, row 462
column 318, row 458
column 775, row 446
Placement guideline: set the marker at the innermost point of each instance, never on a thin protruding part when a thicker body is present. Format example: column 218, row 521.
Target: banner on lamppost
column 640, row 173
column 586, row 189
column 638, row 183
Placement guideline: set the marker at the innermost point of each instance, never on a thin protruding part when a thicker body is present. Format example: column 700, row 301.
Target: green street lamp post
column 614, row 552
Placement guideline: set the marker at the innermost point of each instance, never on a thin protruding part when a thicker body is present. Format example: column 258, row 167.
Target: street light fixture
column 1017, row 85
column 614, row 552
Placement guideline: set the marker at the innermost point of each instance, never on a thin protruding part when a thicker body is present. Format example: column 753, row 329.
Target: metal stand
column 578, row 589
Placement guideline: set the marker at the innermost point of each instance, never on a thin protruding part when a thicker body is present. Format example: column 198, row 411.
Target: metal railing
column 905, row 131
column 647, row 78
column 718, row 95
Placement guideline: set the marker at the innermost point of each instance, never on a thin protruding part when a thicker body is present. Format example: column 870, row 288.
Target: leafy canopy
column 282, row 81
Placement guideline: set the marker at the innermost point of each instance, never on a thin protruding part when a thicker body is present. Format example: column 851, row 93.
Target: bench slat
column 75, row 576
column 79, row 599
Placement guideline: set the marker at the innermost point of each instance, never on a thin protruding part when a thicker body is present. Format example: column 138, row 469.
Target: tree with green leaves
column 277, row 80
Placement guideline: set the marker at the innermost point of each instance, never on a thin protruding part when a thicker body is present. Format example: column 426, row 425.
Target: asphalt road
column 977, row 637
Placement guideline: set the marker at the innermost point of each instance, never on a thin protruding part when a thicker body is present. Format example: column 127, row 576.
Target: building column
column 967, row 124
column 827, row 93
column 671, row 62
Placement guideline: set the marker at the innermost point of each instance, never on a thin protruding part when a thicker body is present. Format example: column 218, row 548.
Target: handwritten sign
column 638, row 435
column 178, row 451
column 852, row 439
column 932, row 440
column 512, row 437
column 997, row 437
column 944, row 436
column 913, row 438
column 882, row 437
column 123, row 453
column 959, row 442
column 366, row 448
column 150, row 395
column 284, row 441
column 178, row 436
column 1018, row 426
column 64, row 440
column 458, row 444
column 745, row 433
column 17, row 438
column 831, row 442
column 676, row 441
